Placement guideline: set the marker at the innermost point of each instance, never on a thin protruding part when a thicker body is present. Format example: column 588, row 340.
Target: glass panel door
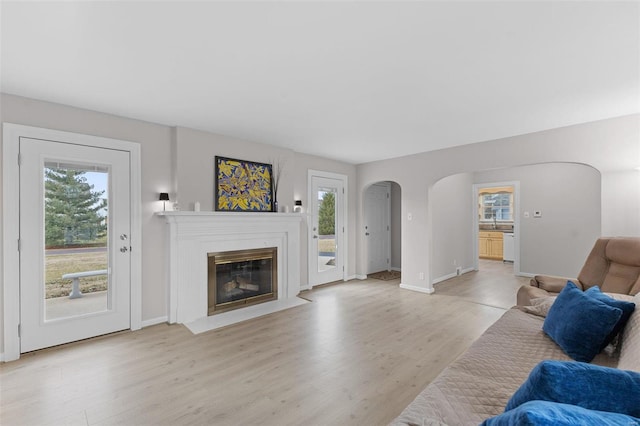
column 75, row 264
column 326, row 230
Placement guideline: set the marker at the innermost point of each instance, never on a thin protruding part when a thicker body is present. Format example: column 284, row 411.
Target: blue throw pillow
column 626, row 307
column 585, row 385
column 544, row 413
column 580, row 324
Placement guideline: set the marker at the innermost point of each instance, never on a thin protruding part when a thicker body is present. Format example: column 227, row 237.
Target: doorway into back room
column 496, row 207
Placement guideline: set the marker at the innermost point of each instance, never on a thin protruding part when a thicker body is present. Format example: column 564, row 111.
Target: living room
column 593, row 131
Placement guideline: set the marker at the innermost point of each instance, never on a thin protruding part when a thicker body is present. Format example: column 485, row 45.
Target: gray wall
column 452, row 225
column 179, row 161
column 155, row 143
column 610, row 146
column 196, row 151
column 568, row 195
column 621, row 202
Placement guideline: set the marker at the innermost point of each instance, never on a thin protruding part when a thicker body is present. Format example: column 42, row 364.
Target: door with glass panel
column 326, row 230
column 74, row 242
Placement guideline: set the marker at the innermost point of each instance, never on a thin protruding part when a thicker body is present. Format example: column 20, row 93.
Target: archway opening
column 556, row 218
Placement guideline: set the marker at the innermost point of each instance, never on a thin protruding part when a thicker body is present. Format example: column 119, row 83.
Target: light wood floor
column 357, row 355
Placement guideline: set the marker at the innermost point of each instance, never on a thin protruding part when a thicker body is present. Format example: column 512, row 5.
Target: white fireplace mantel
column 192, row 235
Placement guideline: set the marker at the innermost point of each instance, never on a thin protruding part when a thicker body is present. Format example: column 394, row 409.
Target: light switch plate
column 537, row 213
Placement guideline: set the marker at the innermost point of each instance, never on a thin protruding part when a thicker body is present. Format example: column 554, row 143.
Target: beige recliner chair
column 613, row 264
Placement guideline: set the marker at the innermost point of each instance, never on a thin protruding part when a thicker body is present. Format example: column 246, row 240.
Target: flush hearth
column 240, row 278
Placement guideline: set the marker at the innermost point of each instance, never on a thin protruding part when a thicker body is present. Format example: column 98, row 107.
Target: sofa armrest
column 527, row 292
column 553, row 284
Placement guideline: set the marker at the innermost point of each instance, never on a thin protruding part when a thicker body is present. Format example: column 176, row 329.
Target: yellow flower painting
column 243, row 185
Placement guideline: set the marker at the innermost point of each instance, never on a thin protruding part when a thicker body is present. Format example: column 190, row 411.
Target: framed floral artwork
column 244, row 186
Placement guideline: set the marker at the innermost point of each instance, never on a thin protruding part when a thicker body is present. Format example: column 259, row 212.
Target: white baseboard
column 395, row 268
column 444, row 278
column 526, row 274
column 361, row 277
column 154, row 321
column 351, row 277
column 418, row 289
column 1, row 356
column 451, row 275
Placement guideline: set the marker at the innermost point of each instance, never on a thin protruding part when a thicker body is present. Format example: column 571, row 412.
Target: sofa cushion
column 630, row 342
column 580, row 324
column 540, row 306
column 626, row 307
column 543, row 413
column 585, row 385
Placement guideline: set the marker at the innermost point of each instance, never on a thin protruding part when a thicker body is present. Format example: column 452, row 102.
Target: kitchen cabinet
column 490, row 245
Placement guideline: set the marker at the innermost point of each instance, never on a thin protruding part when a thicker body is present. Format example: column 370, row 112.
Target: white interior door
column 75, row 221
column 326, row 230
column 377, row 232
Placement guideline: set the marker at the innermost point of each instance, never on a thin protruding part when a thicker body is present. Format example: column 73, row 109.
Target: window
column 497, row 206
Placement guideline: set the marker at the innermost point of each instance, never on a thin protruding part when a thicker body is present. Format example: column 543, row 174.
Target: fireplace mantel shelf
column 252, row 215
column 192, row 235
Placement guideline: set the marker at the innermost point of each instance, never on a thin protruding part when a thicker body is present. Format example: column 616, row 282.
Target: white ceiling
column 354, row 81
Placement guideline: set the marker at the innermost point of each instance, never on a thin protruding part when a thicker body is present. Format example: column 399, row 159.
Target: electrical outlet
column 458, row 270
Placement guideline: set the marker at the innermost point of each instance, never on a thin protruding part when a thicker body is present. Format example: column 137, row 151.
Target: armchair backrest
column 614, row 265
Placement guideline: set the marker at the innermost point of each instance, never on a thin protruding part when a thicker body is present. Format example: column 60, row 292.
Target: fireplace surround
column 193, row 235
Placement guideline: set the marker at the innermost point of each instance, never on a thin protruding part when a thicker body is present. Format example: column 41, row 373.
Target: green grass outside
column 327, row 246
column 56, row 265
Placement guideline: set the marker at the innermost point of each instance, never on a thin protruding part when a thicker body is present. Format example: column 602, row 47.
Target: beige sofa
column 613, row 264
column 480, row 382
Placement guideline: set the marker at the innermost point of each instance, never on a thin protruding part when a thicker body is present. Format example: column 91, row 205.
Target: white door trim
column 344, row 251
column 11, row 218
column 516, row 221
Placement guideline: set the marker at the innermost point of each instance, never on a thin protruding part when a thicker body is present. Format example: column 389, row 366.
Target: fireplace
column 240, row 278
column 193, row 235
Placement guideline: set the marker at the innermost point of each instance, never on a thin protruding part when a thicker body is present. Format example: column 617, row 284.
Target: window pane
column 496, row 206
column 326, row 228
column 76, row 255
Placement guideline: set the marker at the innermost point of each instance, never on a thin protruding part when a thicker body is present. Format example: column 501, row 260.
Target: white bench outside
column 75, row 283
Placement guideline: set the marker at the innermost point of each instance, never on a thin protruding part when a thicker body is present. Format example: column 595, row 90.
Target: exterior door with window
column 74, row 242
column 326, row 230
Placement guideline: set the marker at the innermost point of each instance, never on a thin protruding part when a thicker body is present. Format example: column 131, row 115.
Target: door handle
column 124, row 249
column 315, row 236
column 366, row 233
